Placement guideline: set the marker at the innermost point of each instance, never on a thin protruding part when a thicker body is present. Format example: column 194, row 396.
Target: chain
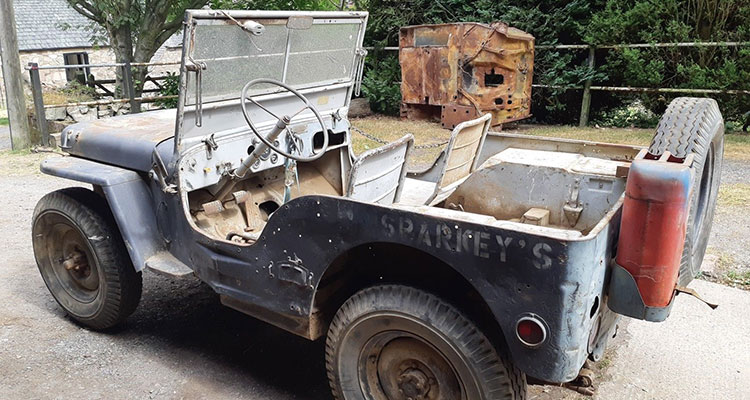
column 381, row 141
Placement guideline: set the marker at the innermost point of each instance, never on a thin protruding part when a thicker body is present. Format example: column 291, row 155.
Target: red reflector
column 530, row 331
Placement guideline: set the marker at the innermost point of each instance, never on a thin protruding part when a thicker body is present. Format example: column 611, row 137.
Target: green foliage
column 306, row 5
column 3, row 121
column 633, row 115
column 652, row 21
column 601, row 22
column 381, row 85
column 170, row 86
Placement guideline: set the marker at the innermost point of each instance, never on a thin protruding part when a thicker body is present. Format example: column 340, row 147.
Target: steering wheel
column 285, row 120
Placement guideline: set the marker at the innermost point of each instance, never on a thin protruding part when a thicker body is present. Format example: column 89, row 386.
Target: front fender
column 129, row 199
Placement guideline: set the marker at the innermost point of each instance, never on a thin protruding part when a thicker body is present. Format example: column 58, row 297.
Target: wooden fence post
column 586, row 101
column 127, row 77
column 20, row 135
column 36, row 94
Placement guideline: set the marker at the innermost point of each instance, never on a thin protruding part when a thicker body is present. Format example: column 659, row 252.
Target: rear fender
column 129, row 199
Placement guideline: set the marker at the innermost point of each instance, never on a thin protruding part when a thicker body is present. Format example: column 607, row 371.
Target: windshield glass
column 319, row 54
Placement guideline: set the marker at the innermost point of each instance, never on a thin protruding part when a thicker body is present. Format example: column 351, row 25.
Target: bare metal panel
column 577, row 190
column 377, row 175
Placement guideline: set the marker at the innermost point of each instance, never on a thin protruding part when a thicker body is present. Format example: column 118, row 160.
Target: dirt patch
column 18, row 163
column 427, row 137
column 734, row 195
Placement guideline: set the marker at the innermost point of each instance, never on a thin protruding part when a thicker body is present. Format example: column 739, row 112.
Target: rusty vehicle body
column 456, row 72
column 495, row 264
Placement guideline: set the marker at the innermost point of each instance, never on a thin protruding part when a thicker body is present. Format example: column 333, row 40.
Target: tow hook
column 584, row 382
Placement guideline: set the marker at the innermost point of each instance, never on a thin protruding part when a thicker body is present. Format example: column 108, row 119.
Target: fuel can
column 653, row 225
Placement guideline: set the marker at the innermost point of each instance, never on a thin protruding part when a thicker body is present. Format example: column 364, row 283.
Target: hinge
column 359, row 68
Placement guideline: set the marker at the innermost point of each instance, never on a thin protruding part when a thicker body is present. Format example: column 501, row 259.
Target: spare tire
column 694, row 126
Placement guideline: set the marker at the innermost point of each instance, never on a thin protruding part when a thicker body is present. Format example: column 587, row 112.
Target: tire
column 695, row 126
column 396, row 342
column 82, row 258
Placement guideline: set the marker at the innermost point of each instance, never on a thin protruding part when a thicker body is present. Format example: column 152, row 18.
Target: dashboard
column 205, row 163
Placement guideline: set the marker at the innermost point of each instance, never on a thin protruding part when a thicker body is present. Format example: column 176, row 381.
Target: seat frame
column 441, row 164
column 355, row 169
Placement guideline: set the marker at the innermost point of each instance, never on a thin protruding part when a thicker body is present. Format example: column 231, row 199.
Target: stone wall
column 59, row 117
column 57, row 78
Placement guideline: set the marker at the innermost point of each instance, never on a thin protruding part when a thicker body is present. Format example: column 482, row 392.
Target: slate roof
column 40, row 25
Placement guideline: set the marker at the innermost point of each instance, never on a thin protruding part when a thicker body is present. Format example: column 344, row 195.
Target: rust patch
column 456, row 72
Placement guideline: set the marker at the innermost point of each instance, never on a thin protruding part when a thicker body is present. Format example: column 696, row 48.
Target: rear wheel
column 695, row 126
column 395, row 342
column 82, row 258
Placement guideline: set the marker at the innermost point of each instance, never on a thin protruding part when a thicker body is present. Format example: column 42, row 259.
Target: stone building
column 50, row 33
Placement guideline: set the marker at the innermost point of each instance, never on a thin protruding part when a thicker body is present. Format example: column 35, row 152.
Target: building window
column 77, row 74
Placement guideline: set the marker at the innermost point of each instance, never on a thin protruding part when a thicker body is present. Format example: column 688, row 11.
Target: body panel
column 516, row 272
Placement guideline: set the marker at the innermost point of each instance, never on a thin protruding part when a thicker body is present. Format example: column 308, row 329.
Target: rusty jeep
column 496, row 266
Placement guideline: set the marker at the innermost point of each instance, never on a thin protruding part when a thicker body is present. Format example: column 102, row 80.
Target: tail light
column 531, row 331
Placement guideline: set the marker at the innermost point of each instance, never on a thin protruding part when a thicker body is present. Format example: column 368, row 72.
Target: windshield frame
column 189, row 69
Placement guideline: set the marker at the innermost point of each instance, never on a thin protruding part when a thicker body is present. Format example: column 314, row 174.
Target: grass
column 73, row 92
column 737, row 194
column 59, row 97
column 741, row 278
column 737, row 146
column 3, row 121
column 391, row 128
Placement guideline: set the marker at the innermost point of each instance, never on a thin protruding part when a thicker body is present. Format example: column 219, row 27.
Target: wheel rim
column 398, row 357
column 399, row 365
column 66, row 260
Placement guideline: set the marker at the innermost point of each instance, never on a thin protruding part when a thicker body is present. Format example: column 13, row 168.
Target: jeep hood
column 126, row 141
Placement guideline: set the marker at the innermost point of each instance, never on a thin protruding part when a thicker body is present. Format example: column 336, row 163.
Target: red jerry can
column 652, row 228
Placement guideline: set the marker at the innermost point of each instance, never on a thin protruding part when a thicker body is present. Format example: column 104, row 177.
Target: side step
column 164, row 263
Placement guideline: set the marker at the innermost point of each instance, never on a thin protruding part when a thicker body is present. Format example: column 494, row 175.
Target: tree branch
column 169, row 29
column 87, row 10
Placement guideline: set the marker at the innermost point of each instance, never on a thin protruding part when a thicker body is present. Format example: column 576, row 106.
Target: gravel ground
column 735, row 171
column 4, row 138
column 729, row 245
column 181, row 343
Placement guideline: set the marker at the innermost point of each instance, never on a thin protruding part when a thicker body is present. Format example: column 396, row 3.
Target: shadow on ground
column 182, row 323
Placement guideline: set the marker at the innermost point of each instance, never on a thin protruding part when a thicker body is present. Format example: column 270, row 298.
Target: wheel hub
column 414, row 384
column 76, row 261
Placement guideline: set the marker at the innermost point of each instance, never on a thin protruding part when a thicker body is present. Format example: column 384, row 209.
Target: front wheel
column 83, row 259
column 395, row 342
